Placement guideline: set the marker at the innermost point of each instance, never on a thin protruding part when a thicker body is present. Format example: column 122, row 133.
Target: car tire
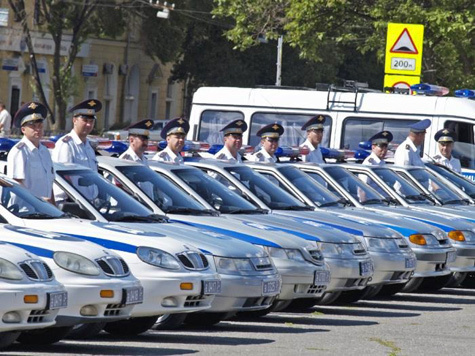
column 303, row 304
column 327, row 298
column 169, row 321
column 7, row 338
column 457, row 279
column 412, row 285
column 44, row 336
column 131, row 327
column 206, row 319
column 469, row 281
column 434, row 283
column 351, row 296
column 85, row 331
column 391, row 289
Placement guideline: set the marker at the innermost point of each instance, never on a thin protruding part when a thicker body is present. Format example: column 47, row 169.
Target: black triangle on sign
column 404, row 44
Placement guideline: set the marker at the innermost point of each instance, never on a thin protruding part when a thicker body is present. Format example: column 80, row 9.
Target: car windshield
column 167, row 196
column 309, row 187
column 23, row 204
column 401, row 186
column 110, row 201
column 462, row 183
column 436, row 186
column 271, row 195
column 216, row 194
column 360, row 191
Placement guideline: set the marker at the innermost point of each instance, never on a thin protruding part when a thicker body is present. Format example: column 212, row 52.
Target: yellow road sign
column 404, row 49
column 400, row 81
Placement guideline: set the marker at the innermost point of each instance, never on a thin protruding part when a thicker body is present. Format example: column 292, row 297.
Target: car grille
column 358, row 249
column 193, row 301
column 193, row 260
column 36, row 270
column 114, row 309
column 258, row 302
column 37, row 316
column 262, row 264
column 317, row 256
column 113, row 266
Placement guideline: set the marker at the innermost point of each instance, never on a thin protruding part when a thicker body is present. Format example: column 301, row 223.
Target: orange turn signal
column 418, row 239
column 186, row 286
column 107, row 293
column 456, row 235
column 30, row 299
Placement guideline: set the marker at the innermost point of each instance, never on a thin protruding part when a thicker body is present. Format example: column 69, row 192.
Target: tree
column 312, row 25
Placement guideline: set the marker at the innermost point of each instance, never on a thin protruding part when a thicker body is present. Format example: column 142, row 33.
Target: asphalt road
column 440, row 323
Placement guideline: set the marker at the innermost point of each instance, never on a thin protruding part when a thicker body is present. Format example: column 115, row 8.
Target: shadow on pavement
column 356, row 310
column 431, row 298
column 317, row 320
column 415, row 307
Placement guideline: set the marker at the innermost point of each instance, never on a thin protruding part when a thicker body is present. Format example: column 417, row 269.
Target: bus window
column 212, row 121
column 464, row 148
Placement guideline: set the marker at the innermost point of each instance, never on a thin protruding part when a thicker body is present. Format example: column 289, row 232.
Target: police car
column 298, row 261
column 176, row 277
column 350, row 265
column 30, row 295
column 461, row 182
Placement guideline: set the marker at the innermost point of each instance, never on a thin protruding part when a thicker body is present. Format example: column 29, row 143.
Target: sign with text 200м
column 404, row 49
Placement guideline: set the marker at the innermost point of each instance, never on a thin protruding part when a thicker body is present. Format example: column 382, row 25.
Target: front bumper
column 245, row 293
column 346, row 273
column 392, row 267
column 432, row 262
column 298, row 279
column 32, row 316
column 87, row 294
column 465, row 259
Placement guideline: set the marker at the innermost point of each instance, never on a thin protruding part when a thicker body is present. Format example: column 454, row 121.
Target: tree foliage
column 313, row 25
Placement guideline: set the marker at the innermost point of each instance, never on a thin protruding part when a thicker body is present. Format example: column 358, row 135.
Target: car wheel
column 169, row 321
column 44, row 336
column 435, row 283
column 206, row 319
column 131, row 327
column 8, row 338
column 412, row 285
column 391, row 289
column 469, row 281
column 327, row 298
column 457, row 279
column 85, row 331
column 351, row 296
column 302, row 304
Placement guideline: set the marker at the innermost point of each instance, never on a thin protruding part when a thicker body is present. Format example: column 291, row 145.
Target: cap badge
column 32, row 106
column 92, row 103
column 445, row 131
column 239, row 123
column 275, row 127
column 148, row 123
column 385, row 133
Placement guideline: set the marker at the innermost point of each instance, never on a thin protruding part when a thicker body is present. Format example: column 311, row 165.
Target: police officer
column 29, row 162
column 379, row 148
column 408, row 152
column 445, row 142
column 232, row 141
column 174, row 132
column 314, row 129
column 75, row 146
column 138, row 142
column 269, row 135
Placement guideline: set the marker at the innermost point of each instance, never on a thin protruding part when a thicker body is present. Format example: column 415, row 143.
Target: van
column 353, row 116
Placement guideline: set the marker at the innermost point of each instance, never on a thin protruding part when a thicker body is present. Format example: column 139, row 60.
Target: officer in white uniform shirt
column 314, row 129
column 232, row 141
column 75, row 146
column 270, row 135
column 445, row 143
column 408, row 152
column 379, row 148
column 138, row 142
column 29, row 162
column 174, row 133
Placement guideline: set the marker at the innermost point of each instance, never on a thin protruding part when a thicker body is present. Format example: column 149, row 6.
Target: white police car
column 30, row 296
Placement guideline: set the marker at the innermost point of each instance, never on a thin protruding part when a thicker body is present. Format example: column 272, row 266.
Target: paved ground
column 409, row 324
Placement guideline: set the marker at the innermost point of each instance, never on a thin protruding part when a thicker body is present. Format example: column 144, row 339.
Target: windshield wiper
column 189, row 211
column 297, row 208
column 330, row 203
column 248, row 211
column 372, row 201
column 38, row 216
column 140, row 218
column 453, row 201
column 415, row 197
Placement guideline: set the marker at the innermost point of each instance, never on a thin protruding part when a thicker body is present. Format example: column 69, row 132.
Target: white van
column 353, row 116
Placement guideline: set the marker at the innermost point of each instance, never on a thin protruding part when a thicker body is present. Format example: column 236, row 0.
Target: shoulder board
column 371, row 160
column 125, row 156
column 66, row 138
column 221, row 156
column 437, row 157
column 259, row 154
column 163, row 154
column 20, row 145
column 408, row 147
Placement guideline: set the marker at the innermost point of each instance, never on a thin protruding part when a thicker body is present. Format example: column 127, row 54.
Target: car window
column 292, row 123
column 212, row 121
column 356, row 130
column 464, row 147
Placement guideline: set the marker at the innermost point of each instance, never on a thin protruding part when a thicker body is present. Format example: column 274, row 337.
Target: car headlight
column 233, row 265
column 158, row 258
column 9, row 270
column 381, row 245
column 469, row 235
column 330, row 249
column 456, row 235
column 76, row 263
column 285, row 253
column 439, row 234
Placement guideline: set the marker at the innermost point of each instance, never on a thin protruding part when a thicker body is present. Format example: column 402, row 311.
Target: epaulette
column 437, row 157
column 20, row 145
column 126, row 156
column 66, row 138
column 408, row 147
column 163, row 154
column 371, row 160
column 259, row 155
column 221, row 156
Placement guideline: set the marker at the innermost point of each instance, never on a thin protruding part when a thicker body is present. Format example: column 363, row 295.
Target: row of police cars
column 132, row 247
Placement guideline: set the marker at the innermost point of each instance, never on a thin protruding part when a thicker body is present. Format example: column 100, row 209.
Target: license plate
column 212, row 287
column 57, row 300
column 321, row 277
column 132, row 295
column 411, row 263
column 366, row 268
column 270, row 287
column 451, row 256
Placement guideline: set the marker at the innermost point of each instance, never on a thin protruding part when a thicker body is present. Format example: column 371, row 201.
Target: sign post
column 403, row 55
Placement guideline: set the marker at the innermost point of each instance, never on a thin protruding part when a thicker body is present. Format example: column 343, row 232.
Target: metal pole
column 278, row 80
